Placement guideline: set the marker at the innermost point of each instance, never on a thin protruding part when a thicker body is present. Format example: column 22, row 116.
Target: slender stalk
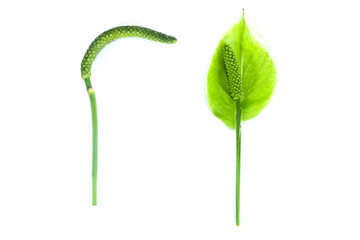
column 238, row 159
column 238, row 130
column 91, row 93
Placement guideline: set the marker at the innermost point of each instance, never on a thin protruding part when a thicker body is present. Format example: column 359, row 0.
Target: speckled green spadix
column 115, row 33
column 240, row 82
column 232, row 72
column 90, row 55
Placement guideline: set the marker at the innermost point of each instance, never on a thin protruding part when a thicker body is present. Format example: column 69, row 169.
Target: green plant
column 240, row 82
column 90, row 55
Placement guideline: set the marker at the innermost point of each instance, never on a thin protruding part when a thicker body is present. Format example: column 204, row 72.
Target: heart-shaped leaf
column 256, row 69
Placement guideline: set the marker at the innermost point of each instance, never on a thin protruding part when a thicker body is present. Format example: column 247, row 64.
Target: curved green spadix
column 90, row 55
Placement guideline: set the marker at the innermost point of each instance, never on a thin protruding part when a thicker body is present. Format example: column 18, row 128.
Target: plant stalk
column 91, row 93
column 238, row 159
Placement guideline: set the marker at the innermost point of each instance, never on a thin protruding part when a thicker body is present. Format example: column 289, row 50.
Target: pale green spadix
column 240, row 82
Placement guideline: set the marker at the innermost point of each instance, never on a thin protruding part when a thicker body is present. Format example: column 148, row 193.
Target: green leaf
column 243, row 69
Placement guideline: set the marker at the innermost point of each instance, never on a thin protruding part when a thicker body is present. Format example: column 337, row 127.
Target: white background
column 166, row 164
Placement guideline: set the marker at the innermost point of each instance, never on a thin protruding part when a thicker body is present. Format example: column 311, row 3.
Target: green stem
column 91, row 93
column 238, row 159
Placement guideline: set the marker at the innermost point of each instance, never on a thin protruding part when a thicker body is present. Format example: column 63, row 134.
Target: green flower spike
column 90, row 55
column 240, row 82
